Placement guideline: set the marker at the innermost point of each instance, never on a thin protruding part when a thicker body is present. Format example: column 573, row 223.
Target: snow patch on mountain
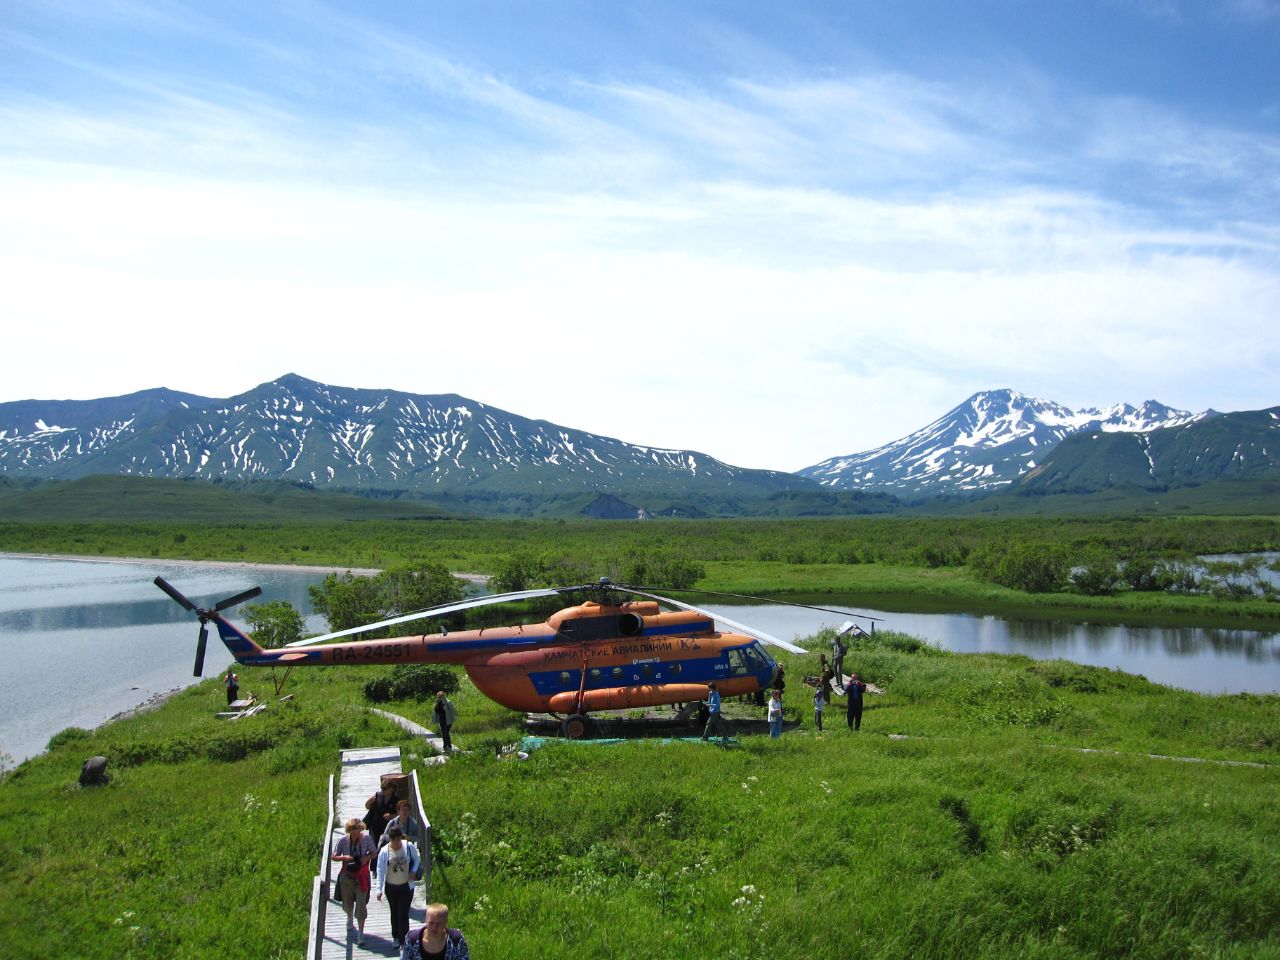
column 986, row 442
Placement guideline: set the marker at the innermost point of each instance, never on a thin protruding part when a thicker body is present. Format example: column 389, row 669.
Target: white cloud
column 770, row 270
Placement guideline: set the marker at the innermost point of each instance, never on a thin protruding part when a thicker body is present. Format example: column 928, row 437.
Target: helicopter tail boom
column 249, row 654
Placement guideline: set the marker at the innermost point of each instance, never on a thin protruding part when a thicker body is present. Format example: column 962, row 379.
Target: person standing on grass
column 436, row 939
column 854, row 692
column 398, row 863
column 819, row 703
column 354, row 851
column 775, row 715
column 233, row 687
column 714, row 720
column 445, row 714
column 838, row 649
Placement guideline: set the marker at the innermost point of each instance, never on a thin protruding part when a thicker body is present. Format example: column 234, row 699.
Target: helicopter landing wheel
column 577, row 726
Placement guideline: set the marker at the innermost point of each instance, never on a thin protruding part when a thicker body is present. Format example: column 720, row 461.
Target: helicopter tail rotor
column 204, row 614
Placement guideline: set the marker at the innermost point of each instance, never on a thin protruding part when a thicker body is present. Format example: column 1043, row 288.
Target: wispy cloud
column 842, row 254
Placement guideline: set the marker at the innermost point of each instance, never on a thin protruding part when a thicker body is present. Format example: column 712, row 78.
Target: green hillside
column 1254, row 496
column 135, row 499
column 1231, row 446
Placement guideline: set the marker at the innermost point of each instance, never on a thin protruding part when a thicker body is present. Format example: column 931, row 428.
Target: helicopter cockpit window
column 756, row 659
column 738, row 664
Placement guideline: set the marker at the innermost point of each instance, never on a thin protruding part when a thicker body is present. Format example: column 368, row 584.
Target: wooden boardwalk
column 362, row 772
column 418, row 730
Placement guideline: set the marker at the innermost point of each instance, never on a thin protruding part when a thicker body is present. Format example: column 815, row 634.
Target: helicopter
column 615, row 649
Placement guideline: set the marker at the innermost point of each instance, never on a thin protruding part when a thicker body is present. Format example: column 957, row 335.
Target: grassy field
column 983, row 831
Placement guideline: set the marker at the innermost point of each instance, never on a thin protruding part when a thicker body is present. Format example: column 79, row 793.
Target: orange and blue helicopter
column 617, row 649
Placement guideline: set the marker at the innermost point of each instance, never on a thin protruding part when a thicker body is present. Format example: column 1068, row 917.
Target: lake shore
column 222, row 564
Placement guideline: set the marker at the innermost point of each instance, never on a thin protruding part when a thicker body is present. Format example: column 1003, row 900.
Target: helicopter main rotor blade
column 787, row 603
column 238, row 598
column 741, row 627
column 168, row 588
column 434, row 612
column 200, row 645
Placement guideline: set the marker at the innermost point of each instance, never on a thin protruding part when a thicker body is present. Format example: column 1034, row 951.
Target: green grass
column 118, row 499
column 893, row 563
column 983, row 833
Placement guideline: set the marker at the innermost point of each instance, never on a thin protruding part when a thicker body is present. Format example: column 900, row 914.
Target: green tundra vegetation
column 1133, row 567
column 963, row 820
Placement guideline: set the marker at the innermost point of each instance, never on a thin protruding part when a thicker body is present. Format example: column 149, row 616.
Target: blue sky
column 770, row 232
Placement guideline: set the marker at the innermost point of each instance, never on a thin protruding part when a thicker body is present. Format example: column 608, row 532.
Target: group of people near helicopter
column 825, row 686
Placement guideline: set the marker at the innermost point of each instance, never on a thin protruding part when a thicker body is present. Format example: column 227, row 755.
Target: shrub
column 69, row 735
column 1096, row 578
column 274, row 624
column 1033, row 567
column 412, row 681
column 1141, row 573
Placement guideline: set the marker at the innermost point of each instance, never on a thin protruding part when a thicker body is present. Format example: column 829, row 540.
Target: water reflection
column 86, row 640
column 1210, row 660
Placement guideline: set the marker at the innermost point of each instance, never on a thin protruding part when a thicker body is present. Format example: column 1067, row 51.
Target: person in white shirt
column 398, row 864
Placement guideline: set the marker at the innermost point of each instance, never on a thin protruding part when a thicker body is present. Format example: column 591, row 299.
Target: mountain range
column 985, row 443
column 387, row 443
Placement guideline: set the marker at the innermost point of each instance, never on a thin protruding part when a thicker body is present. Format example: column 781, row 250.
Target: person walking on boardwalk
column 445, row 714
column 436, row 939
column 381, row 808
column 775, row 715
column 354, row 851
column 819, row 704
column 405, row 821
column 233, row 687
column 854, row 692
column 715, row 722
column 398, row 864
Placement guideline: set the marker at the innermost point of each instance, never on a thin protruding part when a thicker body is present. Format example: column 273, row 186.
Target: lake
column 1206, row 659
column 83, row 640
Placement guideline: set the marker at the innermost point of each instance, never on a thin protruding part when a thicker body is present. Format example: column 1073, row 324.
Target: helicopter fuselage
column 583, row 658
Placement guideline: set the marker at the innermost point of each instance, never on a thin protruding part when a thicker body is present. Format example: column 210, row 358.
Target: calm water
column 84, row 640
column 1195, row 658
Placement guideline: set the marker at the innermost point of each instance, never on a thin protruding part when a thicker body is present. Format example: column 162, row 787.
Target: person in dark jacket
column 445, row 714
column 233, row 687
column 854, row 692
column 379, row 809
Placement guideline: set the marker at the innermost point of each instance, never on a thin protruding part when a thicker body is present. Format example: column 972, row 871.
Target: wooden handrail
column 320, row 888
column 424, row 835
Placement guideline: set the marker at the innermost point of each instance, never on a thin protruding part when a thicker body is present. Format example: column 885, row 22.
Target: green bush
column 1022, row 565
column 69, row 735
column 411, row 681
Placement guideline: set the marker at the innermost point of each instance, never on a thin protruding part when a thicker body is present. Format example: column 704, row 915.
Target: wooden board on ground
column 840, row 688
